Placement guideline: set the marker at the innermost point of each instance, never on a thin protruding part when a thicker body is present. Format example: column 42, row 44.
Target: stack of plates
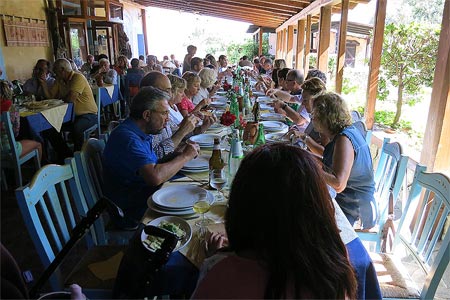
column 264, row 99
column 274, row 126
column 177, row 200
column 265, row 106
column 276, row 137
column 258, row 93
column 272, row 117
column 221, row 93
column 216, row 127
column 205, row 140
column 197, row 165
column 218, row 104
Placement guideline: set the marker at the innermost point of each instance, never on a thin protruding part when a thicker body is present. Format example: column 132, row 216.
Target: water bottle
column 235, row 156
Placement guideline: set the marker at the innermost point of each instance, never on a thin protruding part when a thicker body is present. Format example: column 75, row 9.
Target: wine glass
column 201, row 206
column 218, row 180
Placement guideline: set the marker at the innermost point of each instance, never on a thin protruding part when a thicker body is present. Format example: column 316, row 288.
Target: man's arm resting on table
column 156, row 174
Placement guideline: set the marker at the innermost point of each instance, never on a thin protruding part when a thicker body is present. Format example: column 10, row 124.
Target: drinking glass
column 218, row 180
column 201, row 206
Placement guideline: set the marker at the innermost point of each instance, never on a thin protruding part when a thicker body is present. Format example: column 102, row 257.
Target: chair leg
column 3, row 180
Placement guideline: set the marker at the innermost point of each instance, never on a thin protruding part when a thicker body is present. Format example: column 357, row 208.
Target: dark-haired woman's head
column 281, row 212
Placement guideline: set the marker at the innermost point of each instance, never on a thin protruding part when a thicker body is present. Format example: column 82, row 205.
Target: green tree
column 248, row 47
column 408, row 60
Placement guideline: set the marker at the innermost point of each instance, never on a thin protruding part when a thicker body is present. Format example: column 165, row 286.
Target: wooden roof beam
column 272, row 7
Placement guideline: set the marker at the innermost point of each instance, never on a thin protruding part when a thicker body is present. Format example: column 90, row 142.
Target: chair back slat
column 66, row 199
column 46, row 227
column 367, row 134
column 8, row 128
column 428, row 205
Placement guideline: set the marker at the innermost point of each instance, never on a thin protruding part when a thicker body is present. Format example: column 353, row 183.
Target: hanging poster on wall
column 26, row 32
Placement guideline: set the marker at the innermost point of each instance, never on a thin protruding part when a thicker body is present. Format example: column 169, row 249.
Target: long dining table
column 179, row 275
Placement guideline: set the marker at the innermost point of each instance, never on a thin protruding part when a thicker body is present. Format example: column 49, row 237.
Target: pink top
column 186, row 104
column 228, row 276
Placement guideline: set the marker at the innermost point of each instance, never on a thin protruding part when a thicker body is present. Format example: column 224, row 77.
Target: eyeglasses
column 164, row 113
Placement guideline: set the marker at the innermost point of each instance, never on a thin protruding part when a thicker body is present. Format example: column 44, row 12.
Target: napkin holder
column 250, row 132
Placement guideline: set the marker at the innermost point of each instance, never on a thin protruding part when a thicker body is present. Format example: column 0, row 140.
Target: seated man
column 133, row 78
column 89, row 65
column 71, row 87
column 105, row 74
column 41, row 71
column 152, row 65
column 130, row 167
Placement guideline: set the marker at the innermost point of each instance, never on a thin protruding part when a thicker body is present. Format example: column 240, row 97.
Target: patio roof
column 265, row 13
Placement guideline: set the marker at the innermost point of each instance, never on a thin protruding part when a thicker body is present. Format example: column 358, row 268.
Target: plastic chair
column 11, row 158
column 52, row 219
column 389, row 178
column 367, row 134
column 418, row 234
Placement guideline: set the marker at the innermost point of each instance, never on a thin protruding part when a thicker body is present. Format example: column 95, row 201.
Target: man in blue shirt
column 131, row 171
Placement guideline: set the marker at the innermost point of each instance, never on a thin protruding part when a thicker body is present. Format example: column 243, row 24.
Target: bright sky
column 173, row 29
column 170, row 31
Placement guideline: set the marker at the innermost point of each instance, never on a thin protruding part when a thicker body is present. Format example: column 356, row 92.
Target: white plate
column 179, row 196
column 221, row 93
column 258, row 93
column 264, row 99
column 201, row 162
column 171, row 212
column 275, row 137
column 218, row 104
column 194, row 170
column 178, row 221
column 219, row 98
column 266, row 107
column 273, row 126
column 205, row 139
column 272, row 117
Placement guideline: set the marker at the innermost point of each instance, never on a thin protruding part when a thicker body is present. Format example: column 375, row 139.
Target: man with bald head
column 71, row 87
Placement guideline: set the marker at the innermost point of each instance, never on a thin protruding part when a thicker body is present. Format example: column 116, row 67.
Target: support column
column 436, row 143
column 284, row 46
column 307, row 44
column 342, row 42
column 290, row 46
column 300, row 44
column 324, row 38
column 277, row 50
column 144, row 30
column 260, row 49
column 375, row 61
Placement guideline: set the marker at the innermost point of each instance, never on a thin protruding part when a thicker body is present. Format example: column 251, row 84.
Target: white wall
column 132, row 25
column 272, row 43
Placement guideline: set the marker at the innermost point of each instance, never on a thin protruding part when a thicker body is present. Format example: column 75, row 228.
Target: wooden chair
column 356, row 116
column 90, row 170
column 11, row 158
column 389, row 178
column 51, row 217
column 96, row 127
column 419, row 231
column 367, row 134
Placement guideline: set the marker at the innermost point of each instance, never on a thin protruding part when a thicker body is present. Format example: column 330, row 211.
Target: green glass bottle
column 261, row 138
column 234, row 109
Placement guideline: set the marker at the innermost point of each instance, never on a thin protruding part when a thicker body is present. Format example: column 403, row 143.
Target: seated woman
column 347, row 159
column 186, row 106
column 284, row 241
column 208, row 86
column 178, row 126
column 24, row 146
column 40, row 71
column 121, row 66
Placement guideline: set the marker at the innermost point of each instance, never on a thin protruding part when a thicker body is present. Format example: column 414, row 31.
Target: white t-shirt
column 202, row 94
column 175, row 118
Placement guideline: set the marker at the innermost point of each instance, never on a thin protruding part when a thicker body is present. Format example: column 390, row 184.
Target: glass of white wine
column 218, row 180
column 201, row 206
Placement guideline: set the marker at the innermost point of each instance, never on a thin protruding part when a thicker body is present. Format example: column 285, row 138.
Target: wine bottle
column 260, row 139
column 216, row 161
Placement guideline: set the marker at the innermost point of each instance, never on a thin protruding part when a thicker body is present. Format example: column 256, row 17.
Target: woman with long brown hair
column 284, row 240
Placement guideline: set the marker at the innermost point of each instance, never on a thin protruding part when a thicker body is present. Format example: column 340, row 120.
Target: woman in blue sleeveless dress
column 346, row 158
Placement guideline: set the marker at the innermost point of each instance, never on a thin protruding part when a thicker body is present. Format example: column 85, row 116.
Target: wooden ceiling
column 265, row 13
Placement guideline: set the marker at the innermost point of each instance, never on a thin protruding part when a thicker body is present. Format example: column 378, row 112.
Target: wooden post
column 277, row 50
column 260, row 49
column 284, row 47
column 375, row 61
column 324, row 38
column 436, row 143
column 144, row 30
column 290, row 46
column 307, row 44
column 341, row 51
column 300, row 44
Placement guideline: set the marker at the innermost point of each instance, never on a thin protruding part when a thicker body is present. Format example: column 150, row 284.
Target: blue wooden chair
column 50, row 216
column 11, row 158
column 389, row 178
column 419, row 233
column 96, row 127
column 90, row 170
column 367, row 134
column 356, row 116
